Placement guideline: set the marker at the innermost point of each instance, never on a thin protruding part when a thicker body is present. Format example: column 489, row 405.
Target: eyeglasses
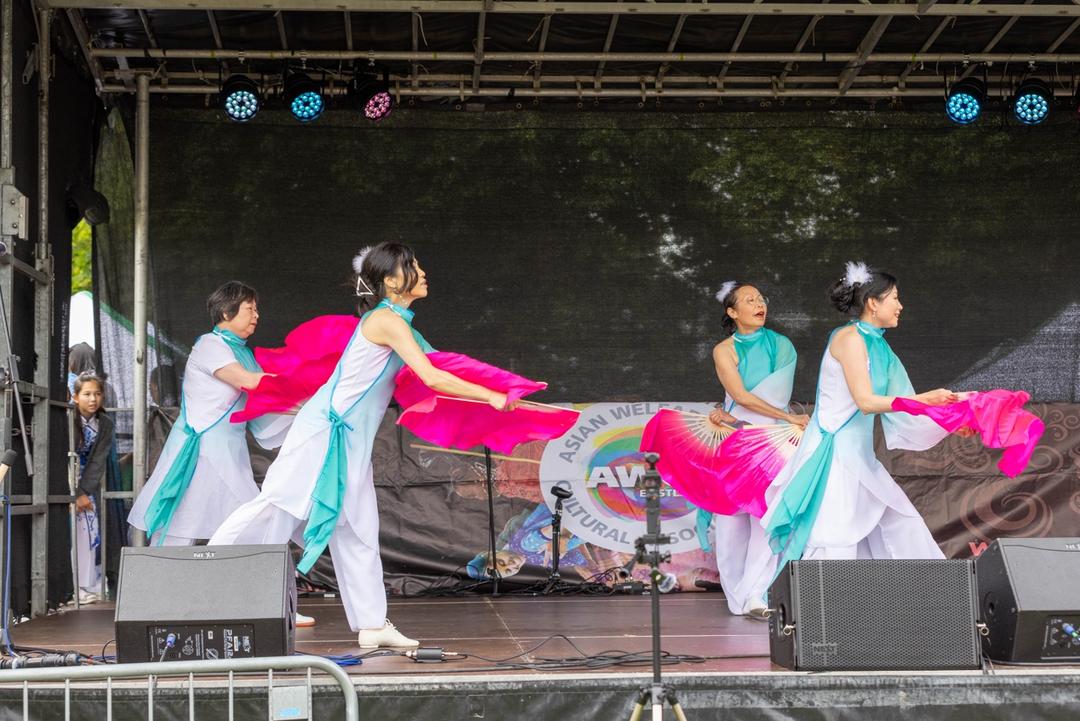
column 760, row 300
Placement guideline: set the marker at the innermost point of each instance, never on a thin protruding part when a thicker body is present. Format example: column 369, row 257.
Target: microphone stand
column 657, row 693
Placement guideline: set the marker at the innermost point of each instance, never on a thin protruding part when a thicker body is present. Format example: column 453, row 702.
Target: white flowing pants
column 744, row 560
column 357, row 566
column 896, row 536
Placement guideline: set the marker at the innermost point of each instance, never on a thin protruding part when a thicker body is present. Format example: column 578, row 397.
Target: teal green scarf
column 796, row 510
column 170, row 493
column 760, row 354
column 239, row 348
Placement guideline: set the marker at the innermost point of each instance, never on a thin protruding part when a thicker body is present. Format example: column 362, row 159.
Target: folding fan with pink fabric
column 997, row 416
column 688, row 444
column 717, row 467
column 752, row 457
column 463, row 423
column 306, row 361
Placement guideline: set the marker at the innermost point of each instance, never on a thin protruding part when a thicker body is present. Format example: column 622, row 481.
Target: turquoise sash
column 170, row 493
column 795, row 511
column 330, row 484
column 328, row 494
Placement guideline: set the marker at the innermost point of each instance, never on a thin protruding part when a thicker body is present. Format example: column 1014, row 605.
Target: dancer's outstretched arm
column 385, row 327
column 237, row 376
column 849, row 349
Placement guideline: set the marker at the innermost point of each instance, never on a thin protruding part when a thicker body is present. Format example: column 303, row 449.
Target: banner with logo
column 435, row 521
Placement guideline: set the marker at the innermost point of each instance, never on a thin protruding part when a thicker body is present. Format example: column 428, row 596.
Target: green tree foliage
column 82, row 264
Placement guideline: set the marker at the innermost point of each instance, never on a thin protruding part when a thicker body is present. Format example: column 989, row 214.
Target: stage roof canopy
column 453, row 52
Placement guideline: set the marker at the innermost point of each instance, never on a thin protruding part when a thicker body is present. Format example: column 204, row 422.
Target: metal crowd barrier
column 285, row 701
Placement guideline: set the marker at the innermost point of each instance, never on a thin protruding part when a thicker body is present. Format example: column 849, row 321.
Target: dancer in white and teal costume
column 204, row 471
column 834, row 499
column 322, row 480
column 756, row 366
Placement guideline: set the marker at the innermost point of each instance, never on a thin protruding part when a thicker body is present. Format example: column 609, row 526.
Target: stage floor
column 733, row 679
column 696, row 624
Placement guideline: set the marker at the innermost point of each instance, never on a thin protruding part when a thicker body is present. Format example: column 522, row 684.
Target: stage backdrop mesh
column 585, row 250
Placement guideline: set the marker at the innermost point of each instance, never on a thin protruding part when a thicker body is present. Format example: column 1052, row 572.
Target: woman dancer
column 756, row 366
column 323, row 474
column 834, row 499
column 93, row 437
column 204, row 471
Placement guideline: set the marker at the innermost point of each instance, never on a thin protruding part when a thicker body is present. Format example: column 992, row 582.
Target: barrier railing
column 283, row 699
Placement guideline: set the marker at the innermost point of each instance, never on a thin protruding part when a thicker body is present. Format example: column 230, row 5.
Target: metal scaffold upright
column 32, row 439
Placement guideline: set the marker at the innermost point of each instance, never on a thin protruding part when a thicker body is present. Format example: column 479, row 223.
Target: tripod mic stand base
column 656, row 695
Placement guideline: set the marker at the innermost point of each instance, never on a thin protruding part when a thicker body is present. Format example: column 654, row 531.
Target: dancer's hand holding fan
column 996, row 416
column 313, row 349
column 453, row 422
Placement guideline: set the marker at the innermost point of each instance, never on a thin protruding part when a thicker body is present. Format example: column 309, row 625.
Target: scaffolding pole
column 142, row 203
column 43, row 335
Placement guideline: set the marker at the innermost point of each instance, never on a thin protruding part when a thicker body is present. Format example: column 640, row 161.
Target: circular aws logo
column 600, row 462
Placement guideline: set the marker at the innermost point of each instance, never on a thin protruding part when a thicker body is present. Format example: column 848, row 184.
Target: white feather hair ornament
column 358, row 267
column 856, row 273
column 358, row 259
column 725, row 290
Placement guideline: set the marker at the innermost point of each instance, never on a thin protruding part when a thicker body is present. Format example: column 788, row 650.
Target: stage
column 726, row 673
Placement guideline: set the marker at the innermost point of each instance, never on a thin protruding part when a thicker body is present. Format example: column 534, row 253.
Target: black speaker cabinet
column 186, row 603
column 1030, row 599
column 874, row 615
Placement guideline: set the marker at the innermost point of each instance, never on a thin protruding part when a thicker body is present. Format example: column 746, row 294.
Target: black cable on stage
column 433, row 590
column 36, row 657
column 594, row 585
column 603, row 659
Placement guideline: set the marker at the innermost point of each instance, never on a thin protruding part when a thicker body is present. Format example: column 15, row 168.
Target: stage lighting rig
column 371, row 94
column 303, row 96
column 1031, row 104
column 240, row 98
column 965, row 101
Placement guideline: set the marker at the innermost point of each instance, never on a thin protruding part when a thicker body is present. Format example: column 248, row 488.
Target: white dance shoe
column 303, row 621
column 759, row 611
column 385, row 637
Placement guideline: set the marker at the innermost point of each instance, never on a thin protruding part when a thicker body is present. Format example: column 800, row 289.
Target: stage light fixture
column 965, row 101
column 85, row 202
column 372, row 95
column 303, row 97
column 240, row 98
column 1031, row 104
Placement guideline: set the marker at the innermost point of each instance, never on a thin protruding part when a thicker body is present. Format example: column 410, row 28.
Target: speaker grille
column 885, row 614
